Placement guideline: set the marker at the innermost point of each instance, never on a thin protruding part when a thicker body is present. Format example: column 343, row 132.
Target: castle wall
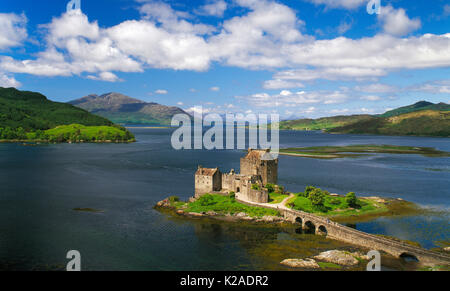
column 207, row 184
column 270, row 174
column 228, row 182
column 256, row 196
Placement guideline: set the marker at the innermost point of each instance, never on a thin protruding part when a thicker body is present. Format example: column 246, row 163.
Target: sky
column 297, row 58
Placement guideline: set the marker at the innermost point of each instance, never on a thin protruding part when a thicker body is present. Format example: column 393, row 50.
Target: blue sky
column 304, row 58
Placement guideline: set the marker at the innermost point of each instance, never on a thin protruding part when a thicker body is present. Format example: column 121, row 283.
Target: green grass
column 335, row 206
column 325, row 265
column 226, row 205
column 276, row 198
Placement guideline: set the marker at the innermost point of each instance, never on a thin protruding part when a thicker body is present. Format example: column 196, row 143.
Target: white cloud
column 215, row 89
column 215, row 8
column 180, row 103
column 347, row 4
column 344, row 27
column 434, row 87
column 7, row 82
column 13, row 30
column 161, row 92
column 105, row 76
column 267, row 36
column 376, row 88
column 396, row 22
column 371, row 98
column 446, row 10
column 344, row 73
column 287, row 98
column 281, row 84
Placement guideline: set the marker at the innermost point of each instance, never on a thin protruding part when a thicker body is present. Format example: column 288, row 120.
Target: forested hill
column 30, row 116
column 33, row 111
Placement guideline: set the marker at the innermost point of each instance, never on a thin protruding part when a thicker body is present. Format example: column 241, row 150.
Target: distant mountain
column 422, row 118
column 126, row 110
column 422, row 105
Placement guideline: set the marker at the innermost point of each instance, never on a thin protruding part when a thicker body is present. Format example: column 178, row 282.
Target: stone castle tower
column 260, row 163
column 258, row 168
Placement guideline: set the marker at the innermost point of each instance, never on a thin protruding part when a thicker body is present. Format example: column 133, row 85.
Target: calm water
column 40, row 185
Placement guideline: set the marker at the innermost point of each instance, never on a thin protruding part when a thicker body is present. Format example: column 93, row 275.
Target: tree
column 351, row 199
column 308, row 190
column 317, row 197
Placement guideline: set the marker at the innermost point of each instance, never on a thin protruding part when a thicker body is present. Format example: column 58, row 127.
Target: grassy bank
column 334, row 152
column 74, row 133
column 347, row 208
column 221, row 205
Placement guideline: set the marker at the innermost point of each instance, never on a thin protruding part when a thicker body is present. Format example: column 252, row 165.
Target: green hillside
column 422, row 118
column 29, row 115
column 421, row 123
column 422, row 105
column 322, row 123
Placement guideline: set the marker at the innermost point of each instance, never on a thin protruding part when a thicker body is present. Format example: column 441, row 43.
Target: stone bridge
column 330, row 229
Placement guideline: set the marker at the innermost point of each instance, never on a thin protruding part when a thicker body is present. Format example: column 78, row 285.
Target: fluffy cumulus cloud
column 396, row 22
column 7, row 81
column 13, row 30
column 267, row 36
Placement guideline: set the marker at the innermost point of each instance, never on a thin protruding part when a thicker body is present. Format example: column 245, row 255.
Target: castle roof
column 206, row 171
column 263, row 155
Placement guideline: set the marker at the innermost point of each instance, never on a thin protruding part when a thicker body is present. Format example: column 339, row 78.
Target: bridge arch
column 408, row 257
column 299, row 220
column 310, row 227
column 322, row 230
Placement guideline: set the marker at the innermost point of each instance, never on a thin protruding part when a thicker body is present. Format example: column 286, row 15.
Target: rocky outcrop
column 298, row 263
column 337, row 257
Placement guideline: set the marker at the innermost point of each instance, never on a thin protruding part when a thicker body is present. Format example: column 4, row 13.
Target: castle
column 258, row 168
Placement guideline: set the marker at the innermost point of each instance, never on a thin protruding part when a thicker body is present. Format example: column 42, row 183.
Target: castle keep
column 258, row 168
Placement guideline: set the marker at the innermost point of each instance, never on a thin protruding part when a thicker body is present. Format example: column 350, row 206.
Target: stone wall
column 256, row 196
column 207, row 184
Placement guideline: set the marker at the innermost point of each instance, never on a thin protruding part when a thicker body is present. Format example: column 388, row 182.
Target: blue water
column 41, row 185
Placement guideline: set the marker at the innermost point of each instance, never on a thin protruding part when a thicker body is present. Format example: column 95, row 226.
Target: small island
column 354, row 151
column 254, row 196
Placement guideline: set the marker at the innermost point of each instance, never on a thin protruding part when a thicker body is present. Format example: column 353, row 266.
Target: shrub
column 303, row 194
column 317, row 197
column 351, row 199
column 335, row 201
column 255, row 187
column 270, row 187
